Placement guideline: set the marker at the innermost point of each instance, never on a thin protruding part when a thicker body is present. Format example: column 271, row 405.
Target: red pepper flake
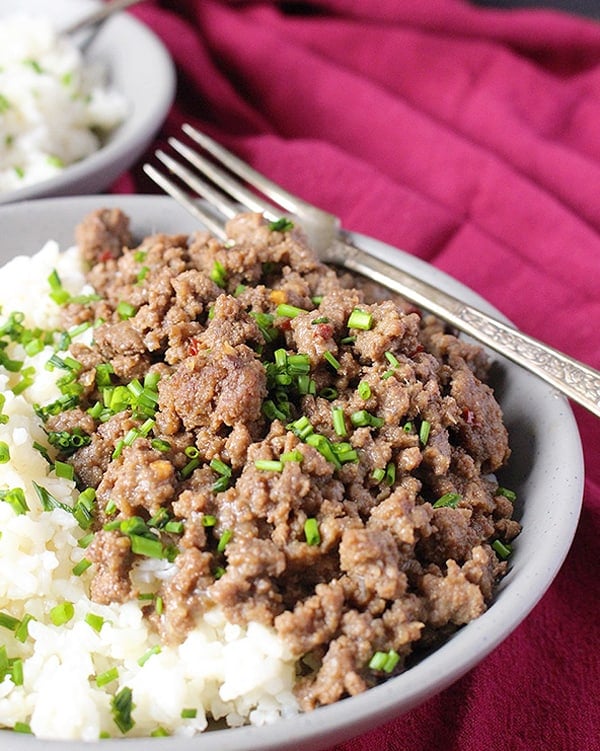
column 193, row 347
column 324, row 330
column 468, row 416
column 285, row 325
column 106, row 255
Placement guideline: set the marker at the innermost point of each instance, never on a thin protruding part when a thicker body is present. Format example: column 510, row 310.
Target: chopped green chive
column 17, row 671
column 15, row 497
column 281, row 225
column 68, row 363
column 22, row 727
column 82, row 566
column 189, row 714
column 160, row 445
column 85, row 540
column 324, row 447
column 68, row 442
column 125, row 310
column 22, row 630
column 339, row 421
column 450, row 500
column 57, row 292
column 390, row 473
column 224, row 540
column 62, row 613
column 301, row 427
column 64, row 470
column 332, row 360
column 224, row 471
column 103, row 679
column 33, row 64
column 289, row 311
column 174, row 527
column 104, row 371
column 48, row 501
column 218, row 274
column 272, row 411
column 151, row 548
column 208, row 520
column 329, row 392
column 27, row 378
column 311, row 531
column 392, row 359
column 360, row 319
column 159, row 732
column 298, row 364
column 269, row 465
column 424, row 432
column 264, row 321
column 155, row 650
column 190, row 467
column 510, row 494
column 122, row 707
column 4, row 453
column 291, row 456
column 378, row 474
column 344, row 452
column 502, row 549
column 94, row 621
column 362, row 419
column 8, row 621
column 219, row 467
column 364, row 390
column 384, row 661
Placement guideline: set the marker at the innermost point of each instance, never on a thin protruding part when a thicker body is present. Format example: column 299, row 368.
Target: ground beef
column 331, row 481
column 102, row 235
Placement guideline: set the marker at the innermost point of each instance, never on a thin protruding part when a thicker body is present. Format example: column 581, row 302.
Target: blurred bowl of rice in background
column 75, row 112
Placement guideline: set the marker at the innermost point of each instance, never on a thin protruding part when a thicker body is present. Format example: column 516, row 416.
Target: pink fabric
column 469, row 137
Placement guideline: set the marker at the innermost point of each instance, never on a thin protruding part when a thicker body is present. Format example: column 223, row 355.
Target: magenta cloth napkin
column 471, row 138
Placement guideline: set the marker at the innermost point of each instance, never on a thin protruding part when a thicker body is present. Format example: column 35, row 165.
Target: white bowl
column 546, row 471
column 137, row 65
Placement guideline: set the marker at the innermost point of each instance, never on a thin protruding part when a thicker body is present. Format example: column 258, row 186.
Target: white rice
column 243, row 675
column 54, row 107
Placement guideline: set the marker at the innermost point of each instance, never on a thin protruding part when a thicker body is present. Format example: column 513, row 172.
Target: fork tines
column 219, row 186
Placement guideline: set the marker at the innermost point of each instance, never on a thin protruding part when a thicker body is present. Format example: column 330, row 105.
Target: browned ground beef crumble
column 389, row 570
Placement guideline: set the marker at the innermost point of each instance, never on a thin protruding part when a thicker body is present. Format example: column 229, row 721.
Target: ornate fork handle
column 574, row 379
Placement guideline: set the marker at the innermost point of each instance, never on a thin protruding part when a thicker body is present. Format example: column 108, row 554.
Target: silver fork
column 225, row 196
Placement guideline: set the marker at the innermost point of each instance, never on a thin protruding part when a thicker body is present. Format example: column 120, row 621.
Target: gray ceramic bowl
column 546, row 470
column 138, row 66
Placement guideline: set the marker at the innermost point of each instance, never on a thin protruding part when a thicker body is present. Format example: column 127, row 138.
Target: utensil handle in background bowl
column 91, row 19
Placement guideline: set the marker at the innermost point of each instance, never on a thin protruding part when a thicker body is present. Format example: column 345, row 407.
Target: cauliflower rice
column 59, row 679
column 55, row 109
